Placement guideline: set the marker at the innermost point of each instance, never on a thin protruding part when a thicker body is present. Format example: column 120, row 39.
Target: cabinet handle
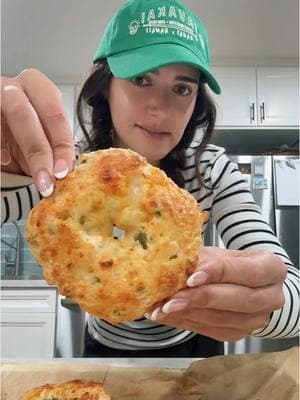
column 68, row 303
column 262, row 112
column 252, row 113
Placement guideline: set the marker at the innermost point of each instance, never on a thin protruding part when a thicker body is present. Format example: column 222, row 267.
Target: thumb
column 209, row 267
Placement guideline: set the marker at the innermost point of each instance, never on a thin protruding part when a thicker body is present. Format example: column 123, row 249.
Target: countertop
column 248, row 376
column 23, row 282
column 117, row 362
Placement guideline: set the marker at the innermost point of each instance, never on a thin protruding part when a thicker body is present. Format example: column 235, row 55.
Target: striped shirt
column 231, row 207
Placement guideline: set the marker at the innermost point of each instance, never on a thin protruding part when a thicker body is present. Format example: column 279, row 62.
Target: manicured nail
column 154, row 315
column 45, row 184
column 5, row 157
column 198, row 278
column 174, row 305
column 60, row 169
column 74, row 163
column 8, row 88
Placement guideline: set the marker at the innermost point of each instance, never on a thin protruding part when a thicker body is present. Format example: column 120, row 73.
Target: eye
column 183, row 90
column 139, row 81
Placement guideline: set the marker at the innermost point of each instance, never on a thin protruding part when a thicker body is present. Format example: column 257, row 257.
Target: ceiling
column 60, row 37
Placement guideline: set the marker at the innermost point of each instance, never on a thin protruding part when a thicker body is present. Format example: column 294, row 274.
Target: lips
column 152, row 131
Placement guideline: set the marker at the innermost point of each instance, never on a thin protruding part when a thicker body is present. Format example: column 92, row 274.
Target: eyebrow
column 181, row 78
column 187, row 79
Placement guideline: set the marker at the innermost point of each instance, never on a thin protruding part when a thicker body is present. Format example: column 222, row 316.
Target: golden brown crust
column 72, row 390
column 71, row 235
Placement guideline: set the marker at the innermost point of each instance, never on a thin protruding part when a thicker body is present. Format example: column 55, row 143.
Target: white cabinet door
column 68, row 93
column 28, row 322
column 236, row 105
column 28, row 300
column 278, row 96
column 27, row 335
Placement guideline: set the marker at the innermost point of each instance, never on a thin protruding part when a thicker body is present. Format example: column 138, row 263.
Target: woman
column 147, row 92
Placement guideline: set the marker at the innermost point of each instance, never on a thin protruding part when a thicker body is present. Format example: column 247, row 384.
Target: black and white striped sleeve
column 17, row 200
column 241, row 226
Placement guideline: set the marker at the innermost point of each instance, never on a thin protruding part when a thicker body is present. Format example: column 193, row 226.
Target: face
column 150, row 112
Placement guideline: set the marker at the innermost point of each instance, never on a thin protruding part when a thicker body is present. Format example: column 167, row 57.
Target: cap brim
column 129, row 64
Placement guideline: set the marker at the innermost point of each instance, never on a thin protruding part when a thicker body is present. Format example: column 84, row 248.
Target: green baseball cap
column 145, row 35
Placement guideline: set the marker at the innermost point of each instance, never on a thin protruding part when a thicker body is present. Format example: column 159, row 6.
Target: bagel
column 76, row 389
column 117, row 235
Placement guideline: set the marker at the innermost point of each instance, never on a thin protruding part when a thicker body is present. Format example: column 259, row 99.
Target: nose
column 159, row 102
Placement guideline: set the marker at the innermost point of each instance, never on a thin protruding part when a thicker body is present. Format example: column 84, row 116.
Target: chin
column 153, row 157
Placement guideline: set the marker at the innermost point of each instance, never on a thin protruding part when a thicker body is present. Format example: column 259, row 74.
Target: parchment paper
column 270, row 376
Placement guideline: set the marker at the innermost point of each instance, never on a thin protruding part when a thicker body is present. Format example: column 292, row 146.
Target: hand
column 36, row 138
column 231, row 294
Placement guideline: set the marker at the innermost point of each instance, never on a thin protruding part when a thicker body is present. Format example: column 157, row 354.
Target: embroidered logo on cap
column 133, row 27
column 165, row 21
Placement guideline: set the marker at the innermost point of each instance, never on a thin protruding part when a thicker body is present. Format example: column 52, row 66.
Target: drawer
column 28, row 300
column 27, row 335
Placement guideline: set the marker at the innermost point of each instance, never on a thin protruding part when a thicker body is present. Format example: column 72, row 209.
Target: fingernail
column 61, row 169
column 174, row 305
column 74, row 163
column 8, row 88
column 45, row 184
column 5, row 157
column 154, row 315
column 197, row 279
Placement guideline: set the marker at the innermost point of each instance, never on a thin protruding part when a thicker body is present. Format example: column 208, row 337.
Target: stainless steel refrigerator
column 274, row 183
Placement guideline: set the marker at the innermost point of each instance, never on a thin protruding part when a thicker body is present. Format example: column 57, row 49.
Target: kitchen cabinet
column 277, row 96
column 252, row 97
column 238, row 95
column 28, row 319
column 257, row 97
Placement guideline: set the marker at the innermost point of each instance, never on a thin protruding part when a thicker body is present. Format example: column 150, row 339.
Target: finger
column 253, row 269
column 9, row 162
column 5, row 153
column 227, row 297
column 47, row 100
column 28, row 133
column 222, row 334
column 222, row 318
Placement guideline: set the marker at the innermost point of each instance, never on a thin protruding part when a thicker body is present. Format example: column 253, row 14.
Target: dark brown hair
column 94, row 118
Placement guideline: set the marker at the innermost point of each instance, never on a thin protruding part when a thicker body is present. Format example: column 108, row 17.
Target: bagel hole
column 118, row 233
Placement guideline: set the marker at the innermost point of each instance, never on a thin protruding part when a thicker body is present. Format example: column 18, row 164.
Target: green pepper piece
column 142, row 238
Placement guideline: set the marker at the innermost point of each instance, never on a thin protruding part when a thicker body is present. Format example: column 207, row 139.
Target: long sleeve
column 240, row 225
column 18, row 197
